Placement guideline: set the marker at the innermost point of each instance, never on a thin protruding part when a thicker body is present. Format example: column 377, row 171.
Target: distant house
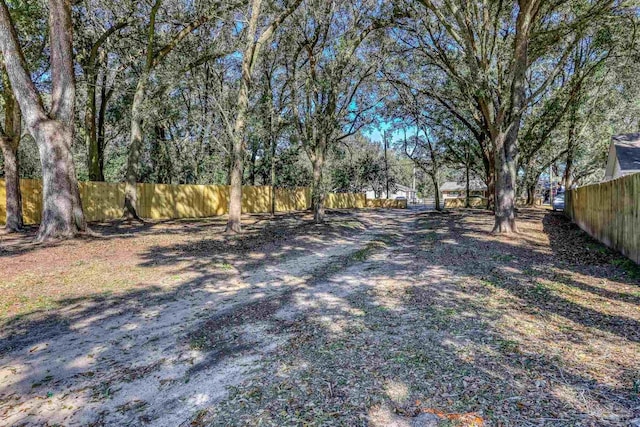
column 395, row 192
column 452, row 189
column 624, row 156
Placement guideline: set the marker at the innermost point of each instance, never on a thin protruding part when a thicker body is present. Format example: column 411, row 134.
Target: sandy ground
column 376, row 318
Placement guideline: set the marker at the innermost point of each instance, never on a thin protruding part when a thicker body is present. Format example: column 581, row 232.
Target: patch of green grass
column 509, row 346
column 503, row 257
column 225, row 266
column 487, row 282
column 363, row 254
column 199, row 343
column 540, row 290
column 631, row 268
column 443, row 316
column 597, row 247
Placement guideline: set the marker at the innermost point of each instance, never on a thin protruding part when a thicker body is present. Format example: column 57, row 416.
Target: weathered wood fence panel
column 387, row 203
column 460, row 202
column 103, row 201
column 345, row 201
column 609, row 212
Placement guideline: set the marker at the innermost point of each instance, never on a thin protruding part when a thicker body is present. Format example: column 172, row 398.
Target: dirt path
column 378, row 318
column 137, row 358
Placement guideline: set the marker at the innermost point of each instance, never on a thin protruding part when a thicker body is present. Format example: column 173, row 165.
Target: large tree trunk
column 506, row 140
column 272, row 167
column 251, row 51
column 317, row 188
column 9, row 142
column 491, row 191
column 130, row 211
column 529, row 182
column 488, row 162
column 234, row 223
column 531, row 194
column 9, row 147
column 62, row 214
column 568, row 171
column 505, row 188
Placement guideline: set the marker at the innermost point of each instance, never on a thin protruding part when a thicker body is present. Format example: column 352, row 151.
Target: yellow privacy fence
column 103, row 201
column 387, row 203
column 609, row 212
column 460, row 202
column 345, row 201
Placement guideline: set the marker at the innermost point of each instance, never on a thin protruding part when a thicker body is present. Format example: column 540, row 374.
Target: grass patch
column 503, row 257
column 365, row 253
column 630, row 268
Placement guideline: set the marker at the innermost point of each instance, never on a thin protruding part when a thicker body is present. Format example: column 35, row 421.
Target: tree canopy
column 298, row 92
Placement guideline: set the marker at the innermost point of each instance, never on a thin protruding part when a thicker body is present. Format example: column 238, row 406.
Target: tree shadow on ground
column 12, row 244
column 437, row 310
column 433, row 342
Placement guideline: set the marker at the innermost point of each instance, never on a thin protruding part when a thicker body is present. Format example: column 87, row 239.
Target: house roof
column 474, row 185
column 628, row 151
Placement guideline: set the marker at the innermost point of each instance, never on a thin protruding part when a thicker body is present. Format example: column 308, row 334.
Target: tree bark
column 571, row 137
column 62, row 214
column 130, row 211
column 94, row 130
column 505, row 134
column 90, row 67
column 153, row 58
column 488, row 162
column 317, row 189
column 90, row 134
column 531, row 194
column 436, row 188
column 9, row 147
column 505, row 188
column 568, row 171
column 272, row 166
column 251, row 53
column 467, row 201
column 105, row 95
column 9, row 142
column 234, row 223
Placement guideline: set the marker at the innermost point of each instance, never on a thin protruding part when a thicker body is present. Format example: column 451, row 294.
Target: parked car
column 401, row 198
column 558, row 202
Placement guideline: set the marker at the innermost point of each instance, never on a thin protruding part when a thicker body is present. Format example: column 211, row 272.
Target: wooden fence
column 387, row 203
column 609, row 212
column 460, row 202
column 103, row 201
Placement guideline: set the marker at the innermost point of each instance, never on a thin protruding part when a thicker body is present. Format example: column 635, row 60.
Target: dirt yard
column 378, row 317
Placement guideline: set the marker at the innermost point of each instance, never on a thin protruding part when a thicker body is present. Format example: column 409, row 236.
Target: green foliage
column 342, row 77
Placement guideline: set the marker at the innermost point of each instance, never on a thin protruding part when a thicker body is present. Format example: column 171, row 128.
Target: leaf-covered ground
column 377, row 318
